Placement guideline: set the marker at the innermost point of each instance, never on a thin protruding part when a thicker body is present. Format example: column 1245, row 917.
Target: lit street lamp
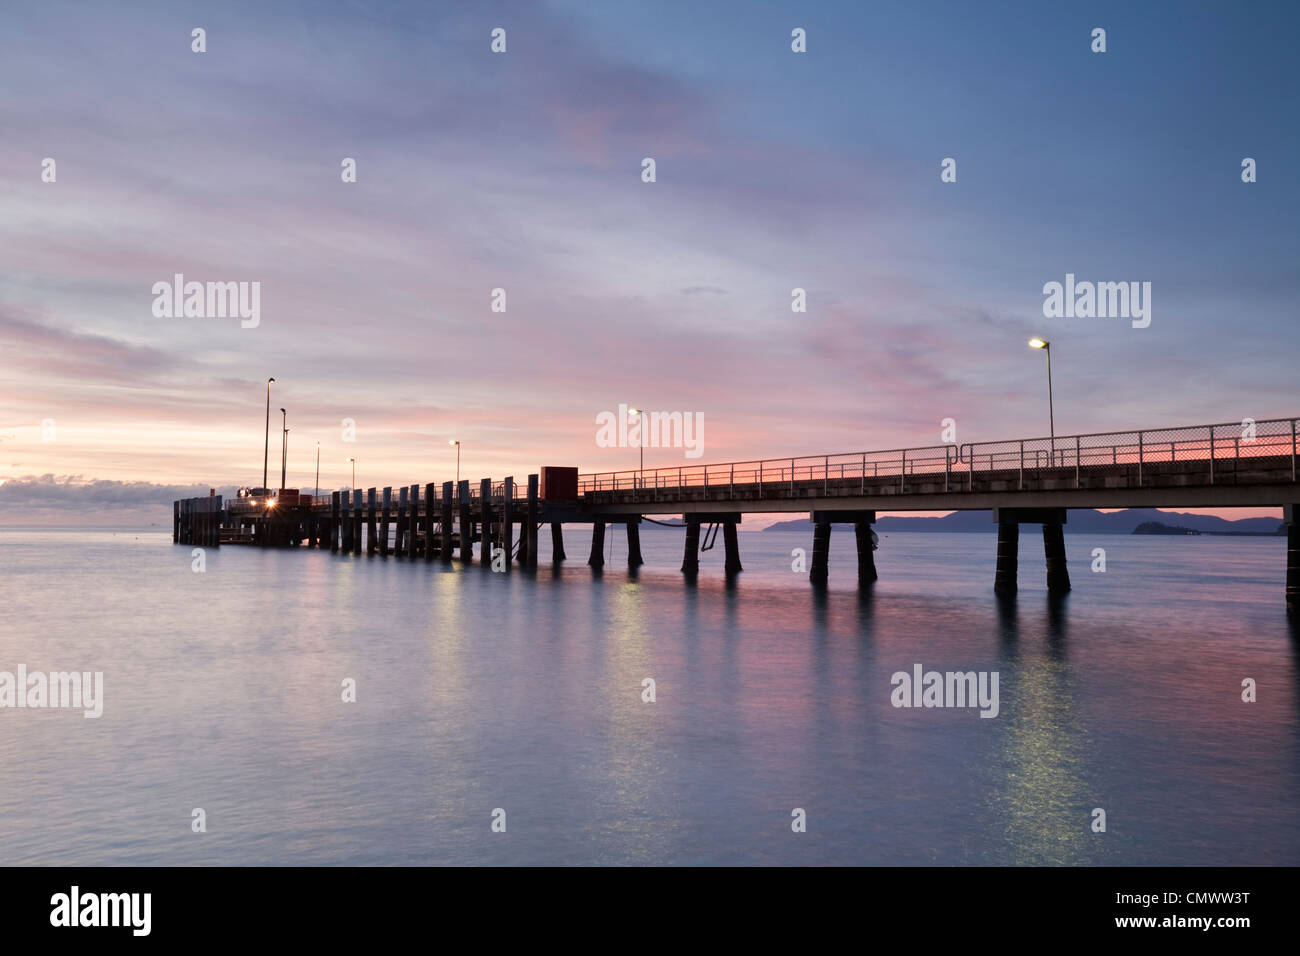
column 317, row 495
column 640, row 415
column 354, row 474
column 284, row 445
column 266, row 447
column 1037, row 343
column 457, row 444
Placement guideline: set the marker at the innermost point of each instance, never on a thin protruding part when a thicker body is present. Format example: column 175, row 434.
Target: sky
column 522, row 171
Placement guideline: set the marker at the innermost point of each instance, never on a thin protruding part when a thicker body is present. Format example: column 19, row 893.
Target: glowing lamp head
column 1037, row 344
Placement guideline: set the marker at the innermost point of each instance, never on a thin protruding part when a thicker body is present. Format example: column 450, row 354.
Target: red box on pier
column 558, row 484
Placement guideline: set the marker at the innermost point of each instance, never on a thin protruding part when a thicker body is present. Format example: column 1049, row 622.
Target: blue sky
column 522, row 171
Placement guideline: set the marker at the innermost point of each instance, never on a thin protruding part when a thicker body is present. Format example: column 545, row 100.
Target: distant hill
column 1078, row 521
column 1158, row 527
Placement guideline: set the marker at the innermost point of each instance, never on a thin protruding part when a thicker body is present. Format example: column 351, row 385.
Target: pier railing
column 1211, row 453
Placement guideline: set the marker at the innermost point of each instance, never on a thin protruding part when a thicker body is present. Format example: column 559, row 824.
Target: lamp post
column 266, row 447
column 317, row 494
column 640, row 418
column 354, row 474
column 284, row 445
column 1037, row 343
column 457, row 444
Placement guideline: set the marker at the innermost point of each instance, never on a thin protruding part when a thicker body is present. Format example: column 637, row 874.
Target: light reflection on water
column 478, row 691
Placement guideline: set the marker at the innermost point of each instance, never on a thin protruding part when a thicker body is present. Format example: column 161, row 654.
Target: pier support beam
column 447, row 491
column 356, row 520
column 691, row 551
column 557, row 543
column 508, row 524
column 866, row 550
column 819, row 570
column 485, row 519
column 529, row 536
column 732, row 546
column 430, row 496
column 597, row 559
column 384, row 518
column 1009, row 521
column 1004, row 578
column 634, row 559
column 336, row 515
column 1291, row 517
column 399, row 548
column 372, row 533
column 466, row 523
column 413, row 523
column 1058, row 572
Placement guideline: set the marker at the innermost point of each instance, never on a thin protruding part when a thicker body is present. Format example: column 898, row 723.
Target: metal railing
column 1212, row 451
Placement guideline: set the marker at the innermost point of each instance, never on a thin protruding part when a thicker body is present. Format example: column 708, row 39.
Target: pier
column 1031, row 481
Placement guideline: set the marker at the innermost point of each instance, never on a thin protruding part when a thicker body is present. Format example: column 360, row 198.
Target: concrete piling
column 691, row 551
column 634, row 559
column 1058, row 572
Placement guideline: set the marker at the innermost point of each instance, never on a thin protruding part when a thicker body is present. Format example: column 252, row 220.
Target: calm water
column 478, row 690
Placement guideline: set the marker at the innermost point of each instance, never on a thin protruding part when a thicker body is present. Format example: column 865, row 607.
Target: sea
column 296, row 707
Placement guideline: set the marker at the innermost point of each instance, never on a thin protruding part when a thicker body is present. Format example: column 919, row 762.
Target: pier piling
column 485, row 519
column 732, row 546
column 466, row 523
column 819, row 570
column 356, row 520
column 597, row 559
column 1004, row 578
column 508, row 524
column 866, row 552
column 447, row 552
column 1289, row 517
column 557, row 543
column 398, row 543
column 336, row 514
column 372, row 524
column 534, row 513
column 1058, row 572
column 430, row 496
column 634, row 559
column 691, row 551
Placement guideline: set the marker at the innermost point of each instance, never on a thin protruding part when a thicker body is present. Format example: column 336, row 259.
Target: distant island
column 1078, row 521
column 1159, row 527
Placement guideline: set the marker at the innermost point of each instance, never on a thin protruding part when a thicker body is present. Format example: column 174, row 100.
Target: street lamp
column 457, row 444
column 1037, row 343
column 354, row 474
column 284, row 445
column 266, row 447
column 317, row 495
column 640, row 415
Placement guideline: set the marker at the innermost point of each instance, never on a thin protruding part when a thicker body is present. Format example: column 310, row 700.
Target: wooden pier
column 1024, row 481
